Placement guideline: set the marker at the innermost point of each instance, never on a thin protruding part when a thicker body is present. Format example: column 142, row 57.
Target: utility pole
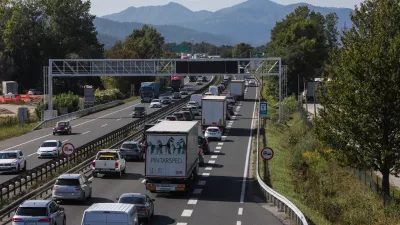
column 192, row 40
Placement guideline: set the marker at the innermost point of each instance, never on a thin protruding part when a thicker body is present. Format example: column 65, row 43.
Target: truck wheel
column 120, row 174
column 94, row 174
column 124, row 170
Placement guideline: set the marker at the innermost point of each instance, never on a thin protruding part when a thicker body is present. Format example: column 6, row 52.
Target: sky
column 104, row 7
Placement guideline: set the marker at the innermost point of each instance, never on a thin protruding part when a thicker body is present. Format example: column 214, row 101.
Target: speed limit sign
column 68, row 149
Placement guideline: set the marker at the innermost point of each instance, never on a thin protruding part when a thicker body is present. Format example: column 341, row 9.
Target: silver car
column 72, row 187
column 184, row 91
column 39, row 212
column 131, row 150
column 142, row 202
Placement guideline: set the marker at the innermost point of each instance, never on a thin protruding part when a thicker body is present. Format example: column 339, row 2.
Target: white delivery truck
column 197, row 98
column 237, row 89
column 172, row 156
column 110, row 214
column 213, row 112
column 213, row 90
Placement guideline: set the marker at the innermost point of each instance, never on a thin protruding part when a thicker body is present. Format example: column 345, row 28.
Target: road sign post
column 263, row 109
column 68, row 149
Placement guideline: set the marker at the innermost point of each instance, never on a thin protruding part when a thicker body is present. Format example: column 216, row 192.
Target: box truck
column 9, row 87
column 149, row 91
column 172, row 156
column 213, row 112
column 237, row 89
column 177, row 82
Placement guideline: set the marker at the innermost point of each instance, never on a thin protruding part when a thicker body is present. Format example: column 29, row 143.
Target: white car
column 195, row 109
column 12, row 161
column 213, row 133
column 50, row 148
column 193, row 103
column 156, row 103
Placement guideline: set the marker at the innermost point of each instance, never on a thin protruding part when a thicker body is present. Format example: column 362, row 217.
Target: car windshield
column 129, row 146
column 183, row 89
column 49, row 144
column 31, row 211
column 156, row 100
column 132, row 200
column 10, row 155
column 171, row 118
column 176, row 93
column 165, row 98
column 62, row 124
column 212, row 130
column 139, row 109
column 67, row 182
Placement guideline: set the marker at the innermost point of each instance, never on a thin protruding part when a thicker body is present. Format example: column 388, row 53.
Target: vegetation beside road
column 10, row 126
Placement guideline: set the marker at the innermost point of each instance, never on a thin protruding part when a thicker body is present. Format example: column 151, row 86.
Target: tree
column 242, row 50
column 361, row 118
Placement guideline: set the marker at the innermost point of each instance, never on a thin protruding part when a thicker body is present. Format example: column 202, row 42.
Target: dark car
column 230, row 109
column 204, row 79
column 187, row 115
column 179, row 115
column 139, row 111
column 171, row 118
column 165, row 100
column 203, row 142
column 62, row 128
column 177, row 95
column 189, row 109
column 132, row 150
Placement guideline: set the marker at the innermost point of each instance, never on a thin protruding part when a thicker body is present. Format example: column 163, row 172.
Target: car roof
column 139, row 107
column 177, row 113
column 212, row 128
column 192, row 102
column 35, row 203
column 69, row 176
column 130, row 142
column 10, row 150
column 51, row 141
column 133, row 195
column 63, row 122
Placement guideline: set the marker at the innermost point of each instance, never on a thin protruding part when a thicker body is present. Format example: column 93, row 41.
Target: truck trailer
column 213, row 112
column 172, row 159
column 177, row 82
column 237, row 89
column 149, row 91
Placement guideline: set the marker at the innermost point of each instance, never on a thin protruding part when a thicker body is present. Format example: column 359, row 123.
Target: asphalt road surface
column 219, row 196
column 84, row 130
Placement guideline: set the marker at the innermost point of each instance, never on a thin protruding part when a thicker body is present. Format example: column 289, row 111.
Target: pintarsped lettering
column 167, row 160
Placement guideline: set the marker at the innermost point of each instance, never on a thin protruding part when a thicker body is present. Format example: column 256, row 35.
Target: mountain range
column 250, row 22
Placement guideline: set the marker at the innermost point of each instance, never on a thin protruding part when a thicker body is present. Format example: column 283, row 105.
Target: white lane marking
column 31, row 154
column 104, row 125
column 217, row 151
column 86, row 132
column 181, row 224
column 228, row 126
column 205, row 174
column 144, row 180
column 227, row 130
column 220, row 143
column 118, row 119
column 192, row 201
column 208, row 168
column 240, row 211
column 211, row 161
column 28, row 141
column 197, row 191
column 246, row 166
column 187, row 213
column 225, row 133
column 224, row 136
column 201, row 182
column 238, row 223
column 218, row 147
column 65, row 141
column 233, row 117
column 214, row 156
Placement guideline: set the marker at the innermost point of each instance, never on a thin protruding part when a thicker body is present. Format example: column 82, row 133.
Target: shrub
column 104, row 96
column 68, row 101
column 39, row 109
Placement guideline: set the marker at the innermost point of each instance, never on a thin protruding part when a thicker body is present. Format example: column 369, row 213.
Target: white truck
column 237, row 89
column 172, row 156
column 108, row 161
column 197, row 98
column 213, row 112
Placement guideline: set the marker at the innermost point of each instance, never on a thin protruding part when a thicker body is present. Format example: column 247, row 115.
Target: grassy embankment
column 307, row 173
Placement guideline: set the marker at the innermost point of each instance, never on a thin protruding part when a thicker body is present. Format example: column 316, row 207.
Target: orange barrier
column 25, row 98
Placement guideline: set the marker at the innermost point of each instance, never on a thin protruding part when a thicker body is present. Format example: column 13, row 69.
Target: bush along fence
column 283, row 204
column 29, row 180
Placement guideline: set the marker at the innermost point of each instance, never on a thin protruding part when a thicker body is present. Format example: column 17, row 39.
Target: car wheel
column 70, row 132
column 124, row 171
column 120, row 174
column 65, row 221
column 54, row 133
column 90, row 195
column 24, row 169
column 18, row 168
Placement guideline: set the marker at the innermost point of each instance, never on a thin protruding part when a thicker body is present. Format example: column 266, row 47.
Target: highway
column 84, row 130
column 219, row 196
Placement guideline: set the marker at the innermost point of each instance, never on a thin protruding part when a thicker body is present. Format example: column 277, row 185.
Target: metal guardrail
column 270, row 194
column 71, row 116
column 82, row 153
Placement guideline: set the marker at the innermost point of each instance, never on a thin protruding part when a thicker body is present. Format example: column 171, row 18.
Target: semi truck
column 149, row 91
column 177, row 82
column 213, row 112
column 172, row 159
column 237, row 89
column 9, row 87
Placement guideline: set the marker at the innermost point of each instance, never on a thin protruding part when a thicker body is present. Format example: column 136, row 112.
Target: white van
column 110, row 214
column 213, row 90
column 197, row 98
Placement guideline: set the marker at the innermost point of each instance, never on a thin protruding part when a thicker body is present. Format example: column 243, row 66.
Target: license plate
column 30, row 223
column 165, row 188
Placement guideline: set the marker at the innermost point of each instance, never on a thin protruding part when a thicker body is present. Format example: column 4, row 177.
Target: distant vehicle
column 110, row 214
column 230, row 100
column 132, row 150
column 252, row 83
column 213, row 112
column 204, row 79
column 50, row 148
column 177, row 82
column 203, row 142
column 62, row 127
column 189, row 109
column 194, row 103
column 139, row 111
column 187, row 115
column 213, row 90
column 184, row 91
column 177, row 95
column 156, row 103
column 143, row 203
column 171, row 118
column 34, row 92
column 213, row 133
column 192, row 78
column 199, row 82
column 166, row 100
column 179, row 115
column 197, row 98
column 195, row 109
column 72, row 187
column 149, row 91
column 109, row 161
column 43, row 212
column 12, row 161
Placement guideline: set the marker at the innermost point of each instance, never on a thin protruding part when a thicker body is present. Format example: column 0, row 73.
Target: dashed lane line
column 205, row 174
column 197, row 191
column 211, row 161
column 86, row 132
column 187, row 213
column 104, row 125
column 208, row 168
column 214, row 156
column 144, row 180
column 240, row 211
column 218, row 147
column 201, row 182
column 181, row 224
column 192, row 201
column 118, row 119
column 238, row 223
column 220, row 143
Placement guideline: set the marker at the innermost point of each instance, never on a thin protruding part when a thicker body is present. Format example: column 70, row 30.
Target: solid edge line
column 246, row 166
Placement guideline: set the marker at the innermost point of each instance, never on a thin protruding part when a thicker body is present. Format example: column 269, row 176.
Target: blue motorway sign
column 263, row 109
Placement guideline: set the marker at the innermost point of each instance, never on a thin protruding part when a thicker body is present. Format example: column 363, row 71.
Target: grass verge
column 16, row 130
column 133, row 98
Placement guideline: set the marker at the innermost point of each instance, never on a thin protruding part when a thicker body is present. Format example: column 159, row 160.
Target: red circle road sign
column 68, row 149
column 267, row 153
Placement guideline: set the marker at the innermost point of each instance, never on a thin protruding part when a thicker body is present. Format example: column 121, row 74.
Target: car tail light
column 141, row 209
column 77, row 188
column 116, row 164
column 16, row 219
column 94, row 164
column 45, row 220
column 55, row 187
